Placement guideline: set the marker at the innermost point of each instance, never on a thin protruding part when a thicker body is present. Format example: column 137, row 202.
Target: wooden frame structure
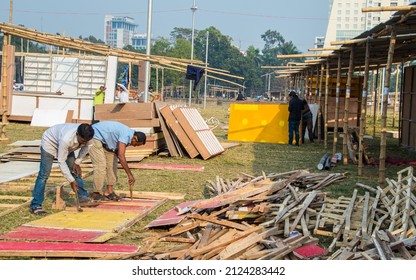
column 388, row 43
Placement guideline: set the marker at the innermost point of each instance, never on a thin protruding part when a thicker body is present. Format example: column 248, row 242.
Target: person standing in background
column 98, row 99
column 295, row 115
column 307, row 122
column 122, row 93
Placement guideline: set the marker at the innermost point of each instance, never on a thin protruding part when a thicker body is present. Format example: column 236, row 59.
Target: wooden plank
column 219, row 222
column 167, row 166
column 308, row 200
column 153, row 195
column 169, row 141
column 179, row 131
column 198, row 131
column 171, row 217
column 242, row 244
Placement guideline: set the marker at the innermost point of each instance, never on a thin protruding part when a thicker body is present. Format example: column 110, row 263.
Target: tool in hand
column 79, row 209
column 131, row 191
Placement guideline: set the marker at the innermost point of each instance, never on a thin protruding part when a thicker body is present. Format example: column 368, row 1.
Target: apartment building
column 119, row 31
column 346, row 20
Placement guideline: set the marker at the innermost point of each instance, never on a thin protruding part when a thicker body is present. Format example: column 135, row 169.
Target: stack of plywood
column 138, row 116
column 189, row 132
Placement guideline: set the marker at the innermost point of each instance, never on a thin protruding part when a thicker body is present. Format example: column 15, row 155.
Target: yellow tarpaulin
column 266, row 123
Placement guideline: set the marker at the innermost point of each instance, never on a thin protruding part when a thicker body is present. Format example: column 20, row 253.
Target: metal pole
column 148, row 44
column 193, row 9
column 206, row 71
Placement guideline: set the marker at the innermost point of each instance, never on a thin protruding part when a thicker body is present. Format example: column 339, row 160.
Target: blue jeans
column 294, row 128
column 46, row 161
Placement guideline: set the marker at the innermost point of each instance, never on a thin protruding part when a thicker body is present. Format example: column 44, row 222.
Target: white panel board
column 111, row 79
column 65, row 75
column 85, row 110
column 48, row 117
column 23, row 105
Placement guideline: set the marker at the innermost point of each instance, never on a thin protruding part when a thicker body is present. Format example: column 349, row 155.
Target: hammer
column 131, row 191
column 77, row 202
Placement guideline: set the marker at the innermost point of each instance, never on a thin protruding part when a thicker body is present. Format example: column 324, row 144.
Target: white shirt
column 123, row 96
column 60, row 140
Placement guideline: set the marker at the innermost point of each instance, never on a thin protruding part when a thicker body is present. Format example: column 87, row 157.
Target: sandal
column 38, row 211
column 113, row 196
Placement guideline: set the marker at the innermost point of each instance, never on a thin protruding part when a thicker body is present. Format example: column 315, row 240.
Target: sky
column 243, row 20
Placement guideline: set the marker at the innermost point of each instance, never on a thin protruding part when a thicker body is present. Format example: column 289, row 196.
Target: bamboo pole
column 129, row 83
column 320, row 103
column 396, row 94
column 363, row 109
column 380, row 92
column 337, row 90
column 163, row 85
column 303, row 55
column 375, row 103
column 388, row 9
column 382, row 167
column 373, row 86
column 326, row 105
column 347, row 107
column 4, row 80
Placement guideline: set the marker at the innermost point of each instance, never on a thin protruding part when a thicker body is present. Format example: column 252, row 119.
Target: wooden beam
column 388, row 9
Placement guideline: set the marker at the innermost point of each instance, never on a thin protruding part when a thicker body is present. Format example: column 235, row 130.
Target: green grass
column 249, row 158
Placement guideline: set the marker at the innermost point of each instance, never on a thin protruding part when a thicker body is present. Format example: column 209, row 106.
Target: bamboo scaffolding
column 382, row 165
column 363, row 117
column 347, row 107
column 338, row 88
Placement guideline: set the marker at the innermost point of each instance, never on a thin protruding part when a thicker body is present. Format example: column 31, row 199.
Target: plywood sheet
column 171, row 217
column 50, row 117
column 266, row 123
column 21, row 143
column 63, row 249
column 106, row 220
column 14, row 170
column 52, row 234
column 179, row 131
column 198, row 131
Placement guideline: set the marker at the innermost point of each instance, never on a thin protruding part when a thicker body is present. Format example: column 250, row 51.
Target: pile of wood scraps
column 265, row 217
column 353, row 146
column 280, row 216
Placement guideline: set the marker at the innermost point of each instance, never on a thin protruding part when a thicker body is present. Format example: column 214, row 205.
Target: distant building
column 319, row 42
column 346, row 20
column 119, row 30
column 139, row 41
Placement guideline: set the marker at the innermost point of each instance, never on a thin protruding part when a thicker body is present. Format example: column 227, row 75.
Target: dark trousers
column 294, row 129
column 307, row 124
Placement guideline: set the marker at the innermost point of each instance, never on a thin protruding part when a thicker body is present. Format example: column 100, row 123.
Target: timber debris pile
column 281, row 216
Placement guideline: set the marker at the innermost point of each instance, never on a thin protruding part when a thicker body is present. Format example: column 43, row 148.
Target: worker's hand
column 77, row 170
column 131, row 180
column 74, row 186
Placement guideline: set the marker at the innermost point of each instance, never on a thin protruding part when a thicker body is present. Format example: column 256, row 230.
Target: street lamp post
column 148, row 45
column 193, row 9
column 206, row 71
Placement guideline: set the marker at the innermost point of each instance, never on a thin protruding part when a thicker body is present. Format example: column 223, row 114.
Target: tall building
column 346, row 20
column 119, row 31
column 139, row 41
